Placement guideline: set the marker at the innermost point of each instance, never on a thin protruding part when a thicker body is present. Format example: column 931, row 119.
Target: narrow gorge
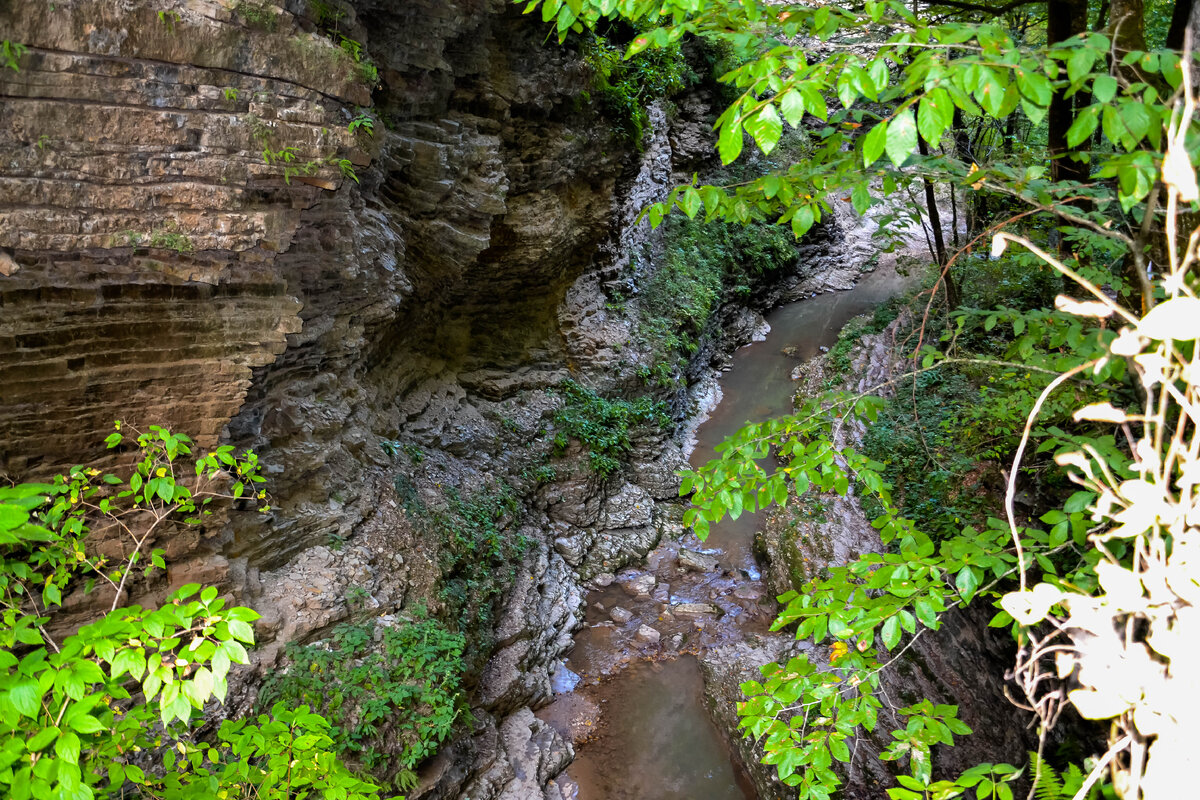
column 398, row 250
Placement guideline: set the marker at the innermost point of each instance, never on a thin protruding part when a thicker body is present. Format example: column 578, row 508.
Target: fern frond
column 1047, row 784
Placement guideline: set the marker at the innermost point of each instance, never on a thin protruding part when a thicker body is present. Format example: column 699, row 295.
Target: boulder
column 647, row 635
column 695, row 610
column 697, row 561
column 639, row 584
column 620, row 615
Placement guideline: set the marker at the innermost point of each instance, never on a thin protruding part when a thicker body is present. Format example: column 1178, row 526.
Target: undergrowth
column 703, row 265
column 946, row 436
column 624, row 88
column 479, row 551
column 393, row 702
column 603, row 425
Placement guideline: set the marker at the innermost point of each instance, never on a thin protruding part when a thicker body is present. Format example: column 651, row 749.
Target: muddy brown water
column 640, row 705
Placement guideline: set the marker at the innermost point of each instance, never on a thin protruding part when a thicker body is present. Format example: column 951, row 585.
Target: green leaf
column 791, row 103
column 1084, row 124
column 204, row 683
column 926, row 612
column 1137, row 120
column 1104, row 88
column 891, row 632
column 690, row 202
column 901, row 137
column 934, row 116
column 12, row 516
column 130, row 660
column 873, row 143
column 967, row 582
column 861, row 198
column 241, row 630
column 41, row 739
column 1080, row 64
column 729, row 145
column 25, row 696
column 86, row 723
column 1035, row 87
column 766, row 128
column 67, row 747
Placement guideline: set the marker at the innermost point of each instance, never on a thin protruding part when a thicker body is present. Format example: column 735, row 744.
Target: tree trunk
column 1184, row 10
column 1186, row 17
column 1064, row 19
column 1126, row 28
column 962, row 151
column 939, row 241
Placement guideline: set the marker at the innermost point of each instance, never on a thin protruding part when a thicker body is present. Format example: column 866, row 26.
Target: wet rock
column 615, row 548
column 604, row 579
column 657, row 556
column 725, row 668
column 574, row 502
column 573, row 715
column 572, row 549
column 647, row 635
column 696, row 561
column 630, row 507
column 535, row 628
column 564, row 680
column 657, row 474
column 749, row 591
column 532, row 752
column 562, row 788
column 620, row 615
column 693, row 610
column 638, row 584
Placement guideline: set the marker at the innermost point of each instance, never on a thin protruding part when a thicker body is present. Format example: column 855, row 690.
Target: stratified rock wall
column 140, row 222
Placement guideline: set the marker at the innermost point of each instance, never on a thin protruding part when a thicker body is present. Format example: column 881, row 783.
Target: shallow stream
column 632, row 692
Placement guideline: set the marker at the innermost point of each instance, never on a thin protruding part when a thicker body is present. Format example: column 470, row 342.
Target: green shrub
column 624, row 88
column 479, row 551
column 405, row 691
column 110, row 710
column 256, row 15
column 704, row 264
column 11, row 53
column 602, row 425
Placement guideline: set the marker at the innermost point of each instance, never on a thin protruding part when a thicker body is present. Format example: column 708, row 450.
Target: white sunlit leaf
column 1177, row 318
column 1101, row 412
column 1080, row 308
